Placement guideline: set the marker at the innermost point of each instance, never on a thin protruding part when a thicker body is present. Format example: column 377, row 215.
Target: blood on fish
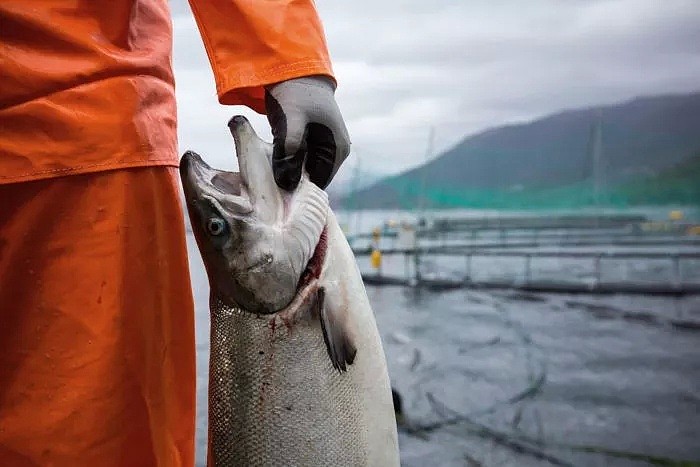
column 288, row 323
column 313, row 268
column 289, row 316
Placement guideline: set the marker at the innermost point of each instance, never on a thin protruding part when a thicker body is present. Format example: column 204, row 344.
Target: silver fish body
column 304, row 385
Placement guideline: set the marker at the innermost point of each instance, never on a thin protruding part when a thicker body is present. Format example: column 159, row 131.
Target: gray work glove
column 306, row 126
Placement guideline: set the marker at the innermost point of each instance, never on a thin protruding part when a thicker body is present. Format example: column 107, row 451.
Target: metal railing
column 676, row 284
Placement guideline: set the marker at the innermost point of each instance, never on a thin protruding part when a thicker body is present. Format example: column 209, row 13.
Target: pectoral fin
column 339, row 344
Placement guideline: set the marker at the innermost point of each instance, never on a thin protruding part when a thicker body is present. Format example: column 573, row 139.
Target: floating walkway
column 602, row 240
column 542, row 286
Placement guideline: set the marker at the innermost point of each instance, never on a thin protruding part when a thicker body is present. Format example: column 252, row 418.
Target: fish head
column 256, row 241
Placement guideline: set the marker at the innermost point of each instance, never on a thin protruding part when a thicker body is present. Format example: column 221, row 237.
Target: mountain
column 639, row 138
column 677, row 185
column 345, row 183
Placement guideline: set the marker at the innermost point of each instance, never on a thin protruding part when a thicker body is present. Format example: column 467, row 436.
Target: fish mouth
column 192, row 166
column 198, row 176
column 199, row 181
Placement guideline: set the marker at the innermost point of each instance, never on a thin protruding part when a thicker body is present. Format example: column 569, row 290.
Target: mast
column 428, row 154
column 598, row 160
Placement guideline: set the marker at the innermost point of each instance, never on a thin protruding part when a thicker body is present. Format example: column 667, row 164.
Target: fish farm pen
column 567, row 254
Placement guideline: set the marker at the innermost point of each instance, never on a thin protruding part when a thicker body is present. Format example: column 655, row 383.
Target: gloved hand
column 306, row 126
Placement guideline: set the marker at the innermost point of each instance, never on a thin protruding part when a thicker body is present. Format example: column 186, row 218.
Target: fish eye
column 216, row 226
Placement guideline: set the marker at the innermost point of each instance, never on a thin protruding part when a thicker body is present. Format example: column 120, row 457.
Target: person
column 97, row 351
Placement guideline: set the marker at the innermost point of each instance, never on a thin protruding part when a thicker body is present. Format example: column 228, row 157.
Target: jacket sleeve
column 252, row 43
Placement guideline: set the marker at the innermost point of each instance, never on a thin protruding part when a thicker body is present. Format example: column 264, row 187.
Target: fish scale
column 269, row 383
column 252, row 394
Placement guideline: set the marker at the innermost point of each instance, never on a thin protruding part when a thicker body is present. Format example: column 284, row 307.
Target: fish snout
column 191, row 162
column 237, row 121
column 186, row 161
column 255, row 163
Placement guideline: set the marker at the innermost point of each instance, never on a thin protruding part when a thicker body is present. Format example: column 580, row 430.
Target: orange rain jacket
column 88, row 86
column 96, row 316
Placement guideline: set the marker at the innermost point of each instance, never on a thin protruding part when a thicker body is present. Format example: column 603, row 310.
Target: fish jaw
column 200, row 181
column 255, row 162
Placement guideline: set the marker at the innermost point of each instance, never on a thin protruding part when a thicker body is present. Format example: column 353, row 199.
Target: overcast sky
column 462, row 66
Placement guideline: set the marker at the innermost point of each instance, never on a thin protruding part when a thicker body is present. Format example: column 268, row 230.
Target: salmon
column 297, row 372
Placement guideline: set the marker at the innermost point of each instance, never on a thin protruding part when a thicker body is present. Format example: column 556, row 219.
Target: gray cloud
column 462, row 67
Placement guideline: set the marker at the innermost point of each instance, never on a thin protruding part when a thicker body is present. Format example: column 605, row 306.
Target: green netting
column 679, row 186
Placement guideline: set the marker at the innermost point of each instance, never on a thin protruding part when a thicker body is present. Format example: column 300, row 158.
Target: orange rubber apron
column 97, row 354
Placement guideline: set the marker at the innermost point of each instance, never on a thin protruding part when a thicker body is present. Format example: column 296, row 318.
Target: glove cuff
column 320, row 81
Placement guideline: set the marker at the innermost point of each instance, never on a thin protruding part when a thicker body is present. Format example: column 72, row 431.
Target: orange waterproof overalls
column 96, row 317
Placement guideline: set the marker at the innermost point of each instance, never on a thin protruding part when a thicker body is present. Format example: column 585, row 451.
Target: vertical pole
column 596, row 283
column 677, row 278
column 469, row 267
column 416, row 265
column 405, row 265
column 416, row 258
column 528, row 258
column 422, row 197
